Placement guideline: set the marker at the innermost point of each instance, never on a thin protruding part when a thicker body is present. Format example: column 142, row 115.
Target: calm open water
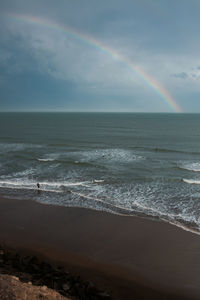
column 124, row 163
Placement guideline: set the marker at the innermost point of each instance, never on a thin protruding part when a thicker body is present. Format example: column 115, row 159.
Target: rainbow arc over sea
column 154, row 84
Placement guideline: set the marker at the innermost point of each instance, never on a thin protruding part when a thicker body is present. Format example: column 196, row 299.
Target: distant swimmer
column 38, row 185
column 103, row 156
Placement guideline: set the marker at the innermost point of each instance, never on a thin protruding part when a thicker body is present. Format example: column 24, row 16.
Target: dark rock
column 41, row 273
column 66, row 287
column 104, row 295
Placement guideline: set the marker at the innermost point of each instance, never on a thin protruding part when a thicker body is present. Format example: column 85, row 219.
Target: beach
column 99, row 150
column 129, row 257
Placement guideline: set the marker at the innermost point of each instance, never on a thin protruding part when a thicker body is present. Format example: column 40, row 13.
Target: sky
column 108, row 55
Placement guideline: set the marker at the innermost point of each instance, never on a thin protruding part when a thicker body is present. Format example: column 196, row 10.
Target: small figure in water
column 38, row 185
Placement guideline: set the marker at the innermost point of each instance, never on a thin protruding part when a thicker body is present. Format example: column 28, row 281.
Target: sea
column 129, row 164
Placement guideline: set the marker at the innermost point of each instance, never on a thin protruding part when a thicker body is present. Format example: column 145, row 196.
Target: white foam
column 98, row 181
column 24, row 186
column 195, row 166
column 146, row 208
column 4, row 183
column 49, row 157
column 178, row 224
column 46, row 159
column 102, row 201
column 191, row 181
column 44, row 185
column 24, row 173
column 20, row 175
column 61, row 184
column 106, row 155
column 169, row 218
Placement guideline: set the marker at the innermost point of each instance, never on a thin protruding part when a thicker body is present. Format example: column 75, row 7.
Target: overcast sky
column 44, row 66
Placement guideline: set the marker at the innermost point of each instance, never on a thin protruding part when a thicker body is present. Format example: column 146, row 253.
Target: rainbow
column 155, row 85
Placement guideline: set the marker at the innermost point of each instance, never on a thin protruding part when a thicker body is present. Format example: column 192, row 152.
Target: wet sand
column 130, row 257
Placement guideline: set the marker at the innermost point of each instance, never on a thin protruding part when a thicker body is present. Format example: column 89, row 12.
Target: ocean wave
column 24, row 186
column 44, row 185
column 24, row 172
column 67, row 161
column 46, row 159
column 106, row 156
column 98, row 181
column 11, row 147
column 158, row 149
column 50, row 157
column 191, row 181
column 19, row 175
column 63, row 184
column 100, row 157
column 128, row 203
column 195, row 167
column 181, row 220
column 188, row 223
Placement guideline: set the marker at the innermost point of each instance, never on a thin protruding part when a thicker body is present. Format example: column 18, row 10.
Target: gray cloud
column 181, row 75
column 157, row 36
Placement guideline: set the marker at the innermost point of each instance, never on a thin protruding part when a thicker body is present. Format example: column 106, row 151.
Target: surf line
column 128, row 212
column 159, row 89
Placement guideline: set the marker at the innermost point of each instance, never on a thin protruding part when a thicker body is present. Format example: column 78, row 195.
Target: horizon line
column 96, row 111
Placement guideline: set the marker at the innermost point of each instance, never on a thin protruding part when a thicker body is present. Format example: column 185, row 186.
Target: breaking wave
column 195, row 167
column 191, row 181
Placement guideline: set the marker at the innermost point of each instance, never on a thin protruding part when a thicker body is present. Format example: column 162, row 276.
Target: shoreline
column 127, row 257
column 129, row 213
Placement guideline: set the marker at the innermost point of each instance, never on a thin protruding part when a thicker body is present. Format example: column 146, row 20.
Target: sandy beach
column 129, row 257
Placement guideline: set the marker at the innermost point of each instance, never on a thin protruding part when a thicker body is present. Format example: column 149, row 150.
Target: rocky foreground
column 29, row 278
column 12, row 288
